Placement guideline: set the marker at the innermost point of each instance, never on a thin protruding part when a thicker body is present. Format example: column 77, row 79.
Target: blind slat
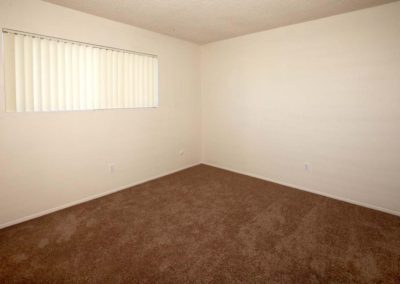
column 68, row 76
column 53, row 75
column 45, row 77
column 19, row 73
column 61, row 73
column 37, row 102
column 28, row 74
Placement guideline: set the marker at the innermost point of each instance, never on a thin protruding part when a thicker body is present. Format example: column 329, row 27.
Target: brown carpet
column 205, row 225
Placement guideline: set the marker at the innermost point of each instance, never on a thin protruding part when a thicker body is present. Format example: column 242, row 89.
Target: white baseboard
column 54, row 209
column 390, row 211
column 70, row 204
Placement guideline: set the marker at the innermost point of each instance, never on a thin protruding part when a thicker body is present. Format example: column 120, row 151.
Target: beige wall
column 48, row 160
column 325, row 92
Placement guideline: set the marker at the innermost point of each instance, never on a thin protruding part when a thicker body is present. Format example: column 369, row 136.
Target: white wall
column 50, row 159
column 326, row 92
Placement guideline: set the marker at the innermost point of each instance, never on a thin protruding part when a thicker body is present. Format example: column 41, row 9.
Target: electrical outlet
column 181, row 152
column 307, row 167
column 111, row 168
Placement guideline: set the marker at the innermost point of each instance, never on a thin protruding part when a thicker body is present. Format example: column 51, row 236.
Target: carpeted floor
column 205, row 225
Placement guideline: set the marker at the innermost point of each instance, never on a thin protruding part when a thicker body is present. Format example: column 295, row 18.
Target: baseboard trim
column 367, row 205
column 89, row 198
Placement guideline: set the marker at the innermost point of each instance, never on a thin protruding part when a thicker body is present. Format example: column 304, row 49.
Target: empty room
column 200, row 141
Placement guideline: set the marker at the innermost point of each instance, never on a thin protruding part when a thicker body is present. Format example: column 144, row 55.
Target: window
column 50, row 74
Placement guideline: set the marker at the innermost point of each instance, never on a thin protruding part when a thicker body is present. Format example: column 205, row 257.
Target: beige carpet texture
column 205, row 225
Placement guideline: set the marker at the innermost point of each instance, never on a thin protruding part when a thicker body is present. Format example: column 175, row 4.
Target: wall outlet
column 111, row 167
column 307, row 167
column 181, row 152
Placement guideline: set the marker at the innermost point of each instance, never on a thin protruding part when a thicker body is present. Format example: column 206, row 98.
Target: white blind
column 48, row 74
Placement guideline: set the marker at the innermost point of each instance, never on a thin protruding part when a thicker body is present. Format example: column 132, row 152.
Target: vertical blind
column 49, row 74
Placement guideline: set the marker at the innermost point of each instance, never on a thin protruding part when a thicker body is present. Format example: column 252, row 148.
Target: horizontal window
column 49, row 74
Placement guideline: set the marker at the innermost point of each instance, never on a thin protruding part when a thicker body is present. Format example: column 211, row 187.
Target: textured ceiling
column 204, row 21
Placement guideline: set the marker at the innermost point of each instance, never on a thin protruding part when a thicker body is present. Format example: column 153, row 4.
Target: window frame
column 3, row 99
